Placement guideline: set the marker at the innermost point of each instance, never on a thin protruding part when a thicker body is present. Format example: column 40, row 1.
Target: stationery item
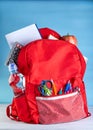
column 24, row 35
column 60, row 92
column 54, row 87
column 45, row 88
column 76, row 89
column 13, row 54
column 52, row 37
column 67, row 87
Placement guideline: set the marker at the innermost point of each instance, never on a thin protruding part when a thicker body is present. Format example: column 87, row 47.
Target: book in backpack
column 54, row 90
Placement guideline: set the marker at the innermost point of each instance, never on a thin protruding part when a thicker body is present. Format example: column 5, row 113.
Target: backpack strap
column 19, row 110
column 12, row 112
column 45, row 32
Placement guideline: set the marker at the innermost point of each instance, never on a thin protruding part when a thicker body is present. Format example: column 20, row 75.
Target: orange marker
column 54, row 87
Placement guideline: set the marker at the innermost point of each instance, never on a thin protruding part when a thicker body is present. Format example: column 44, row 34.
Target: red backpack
column 43, row 60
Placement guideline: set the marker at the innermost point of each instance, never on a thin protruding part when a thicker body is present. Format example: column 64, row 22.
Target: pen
column 68, row 87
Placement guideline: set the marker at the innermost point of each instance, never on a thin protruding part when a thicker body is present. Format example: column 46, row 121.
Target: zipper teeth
column 57, row 97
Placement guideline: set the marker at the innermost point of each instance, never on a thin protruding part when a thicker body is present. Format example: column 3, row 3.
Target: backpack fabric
column 48, row 59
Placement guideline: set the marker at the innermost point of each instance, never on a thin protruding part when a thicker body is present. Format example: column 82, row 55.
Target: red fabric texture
column 46, row 59
column 23, row 113
column 61, row 109
column 45, row 32
column 18, row 110
column 11, row 111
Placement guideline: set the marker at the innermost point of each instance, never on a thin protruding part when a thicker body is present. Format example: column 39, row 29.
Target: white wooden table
column 7, row 124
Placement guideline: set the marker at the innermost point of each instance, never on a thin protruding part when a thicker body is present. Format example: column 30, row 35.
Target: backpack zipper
column 58, row 97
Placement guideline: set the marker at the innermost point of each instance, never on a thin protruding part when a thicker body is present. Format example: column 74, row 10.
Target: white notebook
column 24, row 35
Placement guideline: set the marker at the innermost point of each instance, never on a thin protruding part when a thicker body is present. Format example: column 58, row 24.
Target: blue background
column 73, row 17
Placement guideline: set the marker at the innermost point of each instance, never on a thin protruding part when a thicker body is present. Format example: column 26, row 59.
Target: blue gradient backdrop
column 73, row 17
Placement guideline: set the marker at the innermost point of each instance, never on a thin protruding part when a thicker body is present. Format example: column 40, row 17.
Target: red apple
column 70, row 38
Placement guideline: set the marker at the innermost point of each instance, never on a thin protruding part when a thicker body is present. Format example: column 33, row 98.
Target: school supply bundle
column 54, row 87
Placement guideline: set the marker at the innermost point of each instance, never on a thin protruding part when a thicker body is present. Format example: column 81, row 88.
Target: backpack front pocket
column 64, row 108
